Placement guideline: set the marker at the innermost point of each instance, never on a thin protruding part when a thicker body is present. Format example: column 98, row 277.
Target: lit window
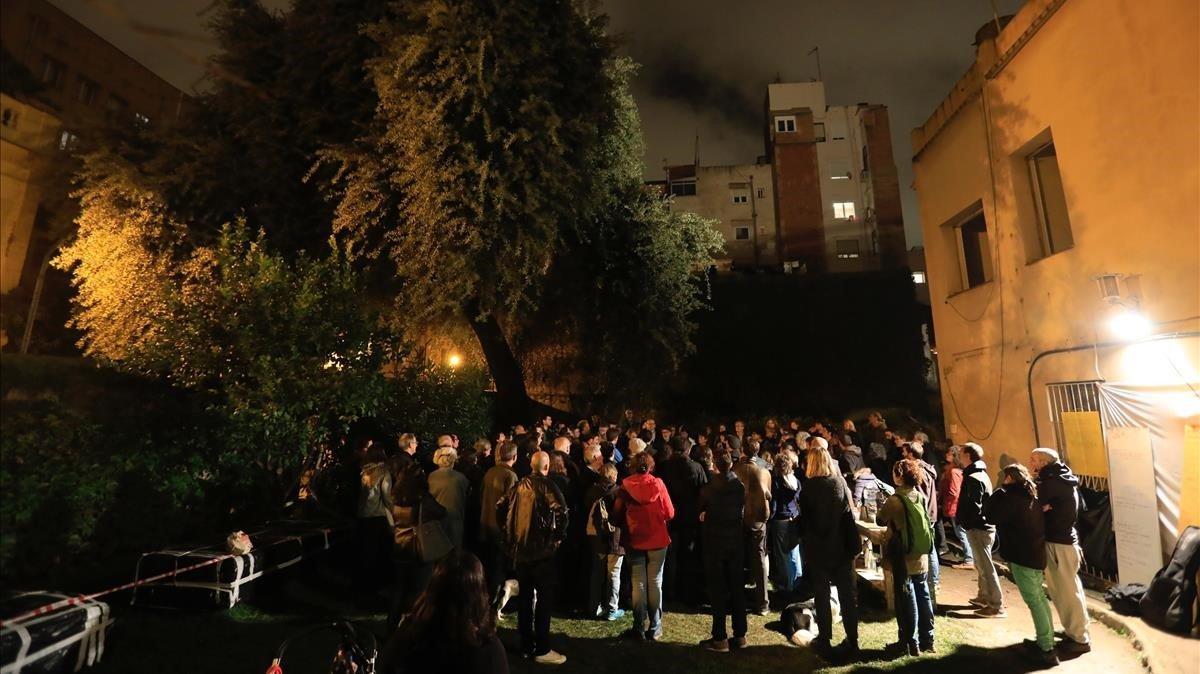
column 847, row 249
column 1050, row 202
column 67, row 140
column 918, row 277
column 741, row 233
column 785, row 124
column 819, row 132
column 839, row 170
column 741, row 199
column 843, row 210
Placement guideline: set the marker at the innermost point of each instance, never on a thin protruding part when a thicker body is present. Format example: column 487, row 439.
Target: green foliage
column 488, row 114
column 430, row 400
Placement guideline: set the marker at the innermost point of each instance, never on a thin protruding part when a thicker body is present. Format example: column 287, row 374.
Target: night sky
column 705, row 63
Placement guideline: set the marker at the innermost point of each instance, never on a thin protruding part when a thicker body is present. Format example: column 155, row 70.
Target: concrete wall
column 1114, row 83
column 715, row 188
column 27, row 133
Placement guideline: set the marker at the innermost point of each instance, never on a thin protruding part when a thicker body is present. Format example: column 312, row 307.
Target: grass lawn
column 245, row 638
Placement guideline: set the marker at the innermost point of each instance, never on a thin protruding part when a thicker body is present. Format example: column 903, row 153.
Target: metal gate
column 1079, row 397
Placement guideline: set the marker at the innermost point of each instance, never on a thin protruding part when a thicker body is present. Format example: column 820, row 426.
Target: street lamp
column 454, row 361
column 1128, row 323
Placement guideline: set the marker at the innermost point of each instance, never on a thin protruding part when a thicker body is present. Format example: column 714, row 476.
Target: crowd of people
column 590, row 517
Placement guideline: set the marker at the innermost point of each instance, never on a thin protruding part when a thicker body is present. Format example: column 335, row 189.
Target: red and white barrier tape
column 80, row 599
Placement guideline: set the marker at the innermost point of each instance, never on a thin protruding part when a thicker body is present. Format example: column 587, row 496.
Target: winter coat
column 948, row 489
column 1020, row 526
column 497, row 481
column 850, row 460
column 892, row 514
column 533, row 517
column 976, row 487
column 786, row 497
column 928, row 489
column 606, row 543
column 375, row 492
column 406, row 519
column 722, row 501
column 1058, row 488
column 450, row 488
column 824, row 501
column 684, row 478
column 645, row 507
column 758, row 493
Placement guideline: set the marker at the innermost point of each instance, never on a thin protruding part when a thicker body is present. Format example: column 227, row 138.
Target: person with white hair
column 450, row 488
column 1058, row 492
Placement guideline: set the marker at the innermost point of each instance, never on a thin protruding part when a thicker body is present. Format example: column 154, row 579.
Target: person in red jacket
column 949, row 486
column 644, row 507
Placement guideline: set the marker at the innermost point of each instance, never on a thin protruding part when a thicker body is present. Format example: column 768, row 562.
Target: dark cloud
column 674, row 77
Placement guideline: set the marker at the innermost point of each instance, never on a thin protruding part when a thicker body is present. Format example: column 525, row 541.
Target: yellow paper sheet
column 1084, row 442
column 1189, row 488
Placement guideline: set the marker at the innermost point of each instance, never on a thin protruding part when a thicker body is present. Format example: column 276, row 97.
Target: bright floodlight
column 1130, row 324
column 454, row 360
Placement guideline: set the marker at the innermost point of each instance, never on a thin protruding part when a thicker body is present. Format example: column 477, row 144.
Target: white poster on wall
column 1134, row 503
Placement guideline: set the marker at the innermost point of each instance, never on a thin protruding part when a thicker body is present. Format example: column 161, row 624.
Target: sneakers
column 737, row 643
column 1035, row 652
column 653, row 636
column 634, row 634
column 613, row 615
column 991, row 612
column 550, row 658
column 715, row 645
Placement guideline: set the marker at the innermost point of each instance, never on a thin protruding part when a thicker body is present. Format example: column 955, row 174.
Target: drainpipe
column 1083, row 347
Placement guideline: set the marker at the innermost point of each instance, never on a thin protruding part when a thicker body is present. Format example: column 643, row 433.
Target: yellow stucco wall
column 28, row 133
column 1116, row 83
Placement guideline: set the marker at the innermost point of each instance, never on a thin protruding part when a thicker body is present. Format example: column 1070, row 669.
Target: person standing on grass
column 450, row 488
column 720, row 512
column 604, row 537
column 783, row 531
column 757, row 513
column 684, row 479
column 981, row 534
column 412, row 505
column 374, row 518
column 949, row 487
column 497, row 482
column 1059, row 489
column 910, row 538
column 533, row 516
column 645, row 508
column 824, row 503
column 915, row 450
column 1015, row 511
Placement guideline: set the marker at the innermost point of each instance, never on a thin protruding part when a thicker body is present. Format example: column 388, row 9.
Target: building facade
column 823, row 197
column 1063, row 257
column 75, row 78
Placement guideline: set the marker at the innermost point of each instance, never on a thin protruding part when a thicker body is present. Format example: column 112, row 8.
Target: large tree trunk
column 512, row 401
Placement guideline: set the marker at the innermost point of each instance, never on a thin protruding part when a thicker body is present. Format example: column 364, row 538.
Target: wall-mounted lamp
column 1126, row 322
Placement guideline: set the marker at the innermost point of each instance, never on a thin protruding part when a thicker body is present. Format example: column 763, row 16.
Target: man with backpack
column 910, row 539
column 604, row 537
column 1058, row 492
column 534, row 517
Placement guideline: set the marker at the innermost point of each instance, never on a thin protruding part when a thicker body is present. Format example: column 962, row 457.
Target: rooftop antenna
column 817, row 51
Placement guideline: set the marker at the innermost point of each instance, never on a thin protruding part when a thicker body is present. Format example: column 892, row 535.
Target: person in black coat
column 683, row 478
column 824, row 503
column 452, row 629
column 1017, row 514
column 720, row 506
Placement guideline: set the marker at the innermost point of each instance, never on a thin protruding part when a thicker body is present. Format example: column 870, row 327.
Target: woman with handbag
column 418, row 538
column 829, row 541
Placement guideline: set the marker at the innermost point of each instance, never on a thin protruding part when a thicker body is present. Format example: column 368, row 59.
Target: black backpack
column 1168, row 601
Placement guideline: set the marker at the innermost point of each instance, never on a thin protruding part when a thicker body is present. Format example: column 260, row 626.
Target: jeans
column 681, row 575
column 960, row 535
column 935, row 572
column 647, row 575
column 1062, row 581
column 981, row 541
column 914, row 610
column 495, row 568
column 844, row 577
column 783, row 542
column 1029, row 582
column 606, row 584
column 756, row 557
column 723, row 570
column 538, row 580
